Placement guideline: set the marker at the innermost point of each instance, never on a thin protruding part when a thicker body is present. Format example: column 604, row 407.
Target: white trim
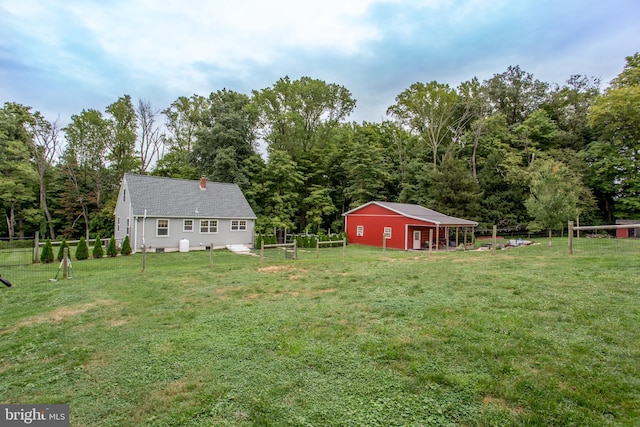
column 389, row 233
column 158, row 228
column 238, row 225
column 209, row 220
column 466, row 222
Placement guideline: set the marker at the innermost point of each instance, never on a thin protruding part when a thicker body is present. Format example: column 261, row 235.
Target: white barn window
column 387, row 232
column 360, row 231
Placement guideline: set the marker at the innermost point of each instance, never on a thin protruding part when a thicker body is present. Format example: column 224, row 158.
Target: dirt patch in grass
column 97, row 361
column 275, row 269
column 163, row 398
column 502, row 405
column 296, row 293
column 59, row 314
column 117, row 322
column 280, row 269
column 296, row 273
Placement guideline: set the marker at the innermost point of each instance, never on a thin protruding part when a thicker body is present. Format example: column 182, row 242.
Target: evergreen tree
column 63, row 245
column 98, row 251
column 126, row 246
column 47, row 253
column 82, row 251
column 112, row 249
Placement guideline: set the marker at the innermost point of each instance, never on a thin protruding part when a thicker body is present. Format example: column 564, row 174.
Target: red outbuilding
column 404, row 226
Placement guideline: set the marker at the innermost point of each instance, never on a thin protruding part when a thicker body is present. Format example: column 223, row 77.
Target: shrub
column 47, row 252
column 126, row 246
column 98, row 252
column 112, row 249
column 63, row 245
column 82, row 251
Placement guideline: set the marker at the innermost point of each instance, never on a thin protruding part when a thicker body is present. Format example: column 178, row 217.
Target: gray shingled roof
column 421, row 213
column 170, row 197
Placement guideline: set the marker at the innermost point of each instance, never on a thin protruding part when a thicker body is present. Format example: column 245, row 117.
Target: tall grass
column 461, row 338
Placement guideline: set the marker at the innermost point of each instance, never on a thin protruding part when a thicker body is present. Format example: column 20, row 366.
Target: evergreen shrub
column 112, row 249
column 126, row 246
column 63, row 245
column 47, row 253
column 98, row 251
column 82, row 251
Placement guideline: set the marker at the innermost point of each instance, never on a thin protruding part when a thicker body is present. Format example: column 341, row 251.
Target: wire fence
column 18, row 263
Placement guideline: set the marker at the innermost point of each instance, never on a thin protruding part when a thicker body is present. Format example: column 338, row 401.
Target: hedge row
column 82, row 250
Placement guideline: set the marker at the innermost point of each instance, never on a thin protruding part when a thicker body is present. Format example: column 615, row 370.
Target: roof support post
column 446, row 238
column 430, row 240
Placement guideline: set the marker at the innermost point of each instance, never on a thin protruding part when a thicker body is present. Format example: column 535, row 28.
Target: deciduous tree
column 296, row 116
column 555, row 196
column 614, row 117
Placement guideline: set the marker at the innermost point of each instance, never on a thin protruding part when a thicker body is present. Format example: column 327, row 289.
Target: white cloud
column 171, row 38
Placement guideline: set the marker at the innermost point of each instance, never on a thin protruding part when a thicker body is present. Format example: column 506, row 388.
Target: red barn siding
column 374, row 219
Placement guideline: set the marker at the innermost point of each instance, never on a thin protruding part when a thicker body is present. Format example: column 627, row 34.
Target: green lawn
column 526, row 337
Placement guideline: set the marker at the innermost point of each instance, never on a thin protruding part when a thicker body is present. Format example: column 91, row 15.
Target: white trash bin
column 184, row 245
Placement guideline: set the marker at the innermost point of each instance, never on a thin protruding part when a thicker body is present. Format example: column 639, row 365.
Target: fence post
column 144, row 258
column 570, row 237
column 494, row 239
column 261, row 251
column 36, row 248
column 65, row 263
column 318, row 247
column 295, row 249
column 211, row 255
column 344, row 247
column 384, row 244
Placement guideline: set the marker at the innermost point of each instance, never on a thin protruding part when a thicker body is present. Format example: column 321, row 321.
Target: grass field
column 460, row 339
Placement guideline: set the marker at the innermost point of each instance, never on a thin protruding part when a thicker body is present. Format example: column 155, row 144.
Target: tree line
column 511, row 150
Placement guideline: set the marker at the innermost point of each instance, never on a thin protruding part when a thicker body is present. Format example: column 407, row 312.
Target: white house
column 162, row 213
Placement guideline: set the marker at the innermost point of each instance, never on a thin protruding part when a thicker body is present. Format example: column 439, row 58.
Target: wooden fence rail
column 344, row 246
column 289, row 248
column 573, row 229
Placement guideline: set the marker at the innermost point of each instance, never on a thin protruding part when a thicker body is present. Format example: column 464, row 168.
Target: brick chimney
column 203, row 183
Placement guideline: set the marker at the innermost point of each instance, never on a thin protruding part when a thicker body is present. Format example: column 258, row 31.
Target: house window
column 387, row 232
column 128, row 226
column 239, row 225
column 118, row 224
column 187, row 225
column 360, row 230
column 162, row 227
column 208, row 226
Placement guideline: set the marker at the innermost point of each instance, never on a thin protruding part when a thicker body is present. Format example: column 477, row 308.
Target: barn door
column 416, row 239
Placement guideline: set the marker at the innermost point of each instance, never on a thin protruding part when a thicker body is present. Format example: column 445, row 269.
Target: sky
column 60, row 57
